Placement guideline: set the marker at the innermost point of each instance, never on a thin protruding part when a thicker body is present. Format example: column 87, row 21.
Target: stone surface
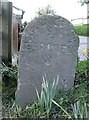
column 49, row 45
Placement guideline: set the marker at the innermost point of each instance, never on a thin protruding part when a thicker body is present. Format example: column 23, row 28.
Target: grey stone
column 49, row 45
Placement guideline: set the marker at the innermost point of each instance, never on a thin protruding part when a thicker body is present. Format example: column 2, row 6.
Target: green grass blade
column 62, row 108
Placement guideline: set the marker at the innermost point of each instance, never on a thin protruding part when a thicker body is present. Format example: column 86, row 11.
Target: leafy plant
column 46, row 11
column 9, row 83
column 49, row 104
column 15, row 111
column 69, row 116
column 80, row 109
column 48, row 92
column 81, row 74
column 82, row 65
column 9, row 75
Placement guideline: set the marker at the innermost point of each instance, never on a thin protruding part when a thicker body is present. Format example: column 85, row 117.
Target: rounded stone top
column 46, row 19
column 50, row 28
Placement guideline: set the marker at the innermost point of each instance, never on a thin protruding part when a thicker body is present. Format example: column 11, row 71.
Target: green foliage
column 63, row 100
column 68, row 97
column 69, row 103
column 81, row 74
column 80, row 109
column 82, row 65
column 48, row 93
column 0, row 85
column 12, row 110
column 40, row 108
column 58, row 105
column 82, row 30
column 9, row 82
column 9, row 75
column 46, row 11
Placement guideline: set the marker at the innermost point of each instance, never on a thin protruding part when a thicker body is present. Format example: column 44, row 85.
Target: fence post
column 6, row 32
column 0, row 32
column 10, row 32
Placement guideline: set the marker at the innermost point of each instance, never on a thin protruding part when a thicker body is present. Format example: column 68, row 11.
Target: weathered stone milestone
column 49, row 46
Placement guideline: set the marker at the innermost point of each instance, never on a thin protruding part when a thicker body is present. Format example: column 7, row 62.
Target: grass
column 65, row 104
column 82, row 30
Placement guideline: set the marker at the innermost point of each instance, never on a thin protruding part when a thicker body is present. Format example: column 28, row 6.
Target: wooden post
column 6, row 32
column 10, row 32
column 0, row 32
